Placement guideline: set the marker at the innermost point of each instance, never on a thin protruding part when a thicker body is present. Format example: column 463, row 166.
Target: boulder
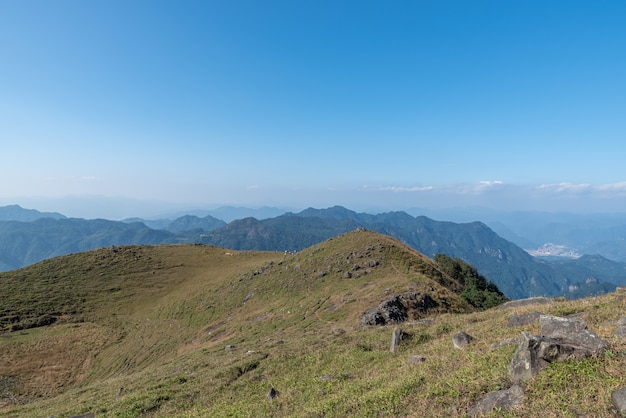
column 398, row 308
column 619, row 401
column 573, row 332
column 561, row 339
column 462, row 340
column 504, row 400
column 523, row 320
column 525, row 363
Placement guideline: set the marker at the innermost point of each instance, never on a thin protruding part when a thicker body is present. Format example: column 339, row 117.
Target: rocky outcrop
column 561, row 339
column 398, row 308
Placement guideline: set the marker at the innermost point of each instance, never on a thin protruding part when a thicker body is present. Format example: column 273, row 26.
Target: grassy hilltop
column 196, row 331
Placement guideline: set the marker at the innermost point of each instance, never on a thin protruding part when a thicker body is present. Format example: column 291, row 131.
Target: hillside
column 24, row 243
column 516, row 273
column 196, row 330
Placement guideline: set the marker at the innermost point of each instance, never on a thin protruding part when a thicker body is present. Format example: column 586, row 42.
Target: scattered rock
column 503, row 400
column 273, row 393
column 229, row 347
column 504, row 343
column 523, row 320
column 462, row 340
column 526, row 302
column 619, row 401
column 620, row 331
column 396, row 338
column 413, row 360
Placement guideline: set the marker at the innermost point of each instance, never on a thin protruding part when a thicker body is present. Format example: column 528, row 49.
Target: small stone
column 273, row 393
column 462, row 340
column 396, row 338
column 413, row 360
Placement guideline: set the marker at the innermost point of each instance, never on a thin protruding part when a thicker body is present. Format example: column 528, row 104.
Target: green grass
column 142, row 332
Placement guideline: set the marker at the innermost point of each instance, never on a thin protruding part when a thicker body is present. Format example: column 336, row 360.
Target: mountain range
column 512, row 269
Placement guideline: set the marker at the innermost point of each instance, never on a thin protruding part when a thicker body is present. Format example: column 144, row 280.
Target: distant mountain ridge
column 184, row 223
column 512, row 269
column 24, row 243
column 18, row 213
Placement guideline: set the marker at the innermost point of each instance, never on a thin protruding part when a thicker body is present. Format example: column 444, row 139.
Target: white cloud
column 613, row 187
column 477, row 188
column 565, row 187
column 399, row 189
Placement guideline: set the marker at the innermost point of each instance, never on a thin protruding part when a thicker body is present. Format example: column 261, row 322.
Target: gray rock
column 619, row 401
column 397, row 308
column 462, row 340
column 396, row 338
column 527, row 302
column 505, row 343
column 525, row 363
column 504, row 400
column 561, row 339
column 572, row 332
column 413, row 360
column 523, row 320
column 620, row 331
column 273, row 393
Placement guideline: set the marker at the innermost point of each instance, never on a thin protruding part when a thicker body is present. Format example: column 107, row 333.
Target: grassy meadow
column 198, row 331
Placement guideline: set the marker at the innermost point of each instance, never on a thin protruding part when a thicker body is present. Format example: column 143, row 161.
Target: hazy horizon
column 118, row 109
column 101, row 207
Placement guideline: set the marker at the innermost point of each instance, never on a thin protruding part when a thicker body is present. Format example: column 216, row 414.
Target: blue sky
column 367, row 104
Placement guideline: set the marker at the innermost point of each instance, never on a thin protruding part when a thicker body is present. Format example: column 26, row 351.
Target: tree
column 477, row 290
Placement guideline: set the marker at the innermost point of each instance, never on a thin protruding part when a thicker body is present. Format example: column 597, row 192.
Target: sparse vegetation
column 196, row 331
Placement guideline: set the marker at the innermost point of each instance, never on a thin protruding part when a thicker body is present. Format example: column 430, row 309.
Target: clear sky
column 366, row 104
